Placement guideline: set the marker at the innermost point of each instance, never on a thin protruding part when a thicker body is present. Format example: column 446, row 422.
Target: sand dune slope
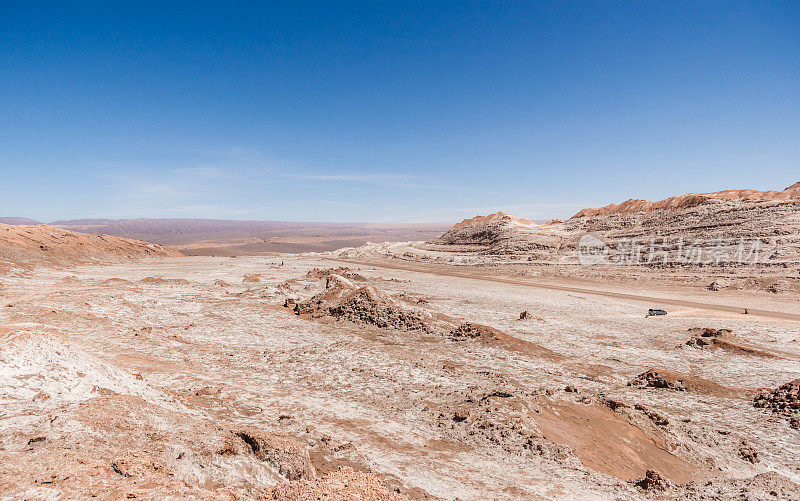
column 43, row 243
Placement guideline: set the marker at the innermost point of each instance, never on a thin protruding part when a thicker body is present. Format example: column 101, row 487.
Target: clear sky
column 390, row 111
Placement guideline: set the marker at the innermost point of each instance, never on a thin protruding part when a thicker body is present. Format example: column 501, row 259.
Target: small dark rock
column 652, row 481
column 747, row 453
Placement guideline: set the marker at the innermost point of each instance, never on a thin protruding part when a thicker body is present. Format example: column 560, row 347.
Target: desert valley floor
column 290, row 377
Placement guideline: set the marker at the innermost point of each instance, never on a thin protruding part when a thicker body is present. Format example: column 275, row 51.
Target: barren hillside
column 729, row 226
column 18, row 220
column 43, row 243
column 485, row 230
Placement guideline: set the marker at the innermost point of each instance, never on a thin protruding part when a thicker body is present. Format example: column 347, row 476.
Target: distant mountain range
column 18, row 221
column 225, row 237
column 724, row 218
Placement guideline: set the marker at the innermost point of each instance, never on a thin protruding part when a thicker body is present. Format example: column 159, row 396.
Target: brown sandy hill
column 490, row 336
column 604, row 441
column 42, row 244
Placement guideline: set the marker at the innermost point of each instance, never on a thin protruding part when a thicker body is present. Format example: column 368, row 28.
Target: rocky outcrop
column 287, row 454
column 725, row 228
column 652, row 481
column 709, row 332
column 671, row 380
column 366, row 304
column 784, row 401
column 485, row 230
column 634, row 206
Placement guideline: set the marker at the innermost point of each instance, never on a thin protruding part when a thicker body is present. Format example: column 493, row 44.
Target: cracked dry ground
column 203, row 378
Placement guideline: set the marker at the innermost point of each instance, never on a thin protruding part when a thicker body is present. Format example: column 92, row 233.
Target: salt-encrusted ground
column 187, row 377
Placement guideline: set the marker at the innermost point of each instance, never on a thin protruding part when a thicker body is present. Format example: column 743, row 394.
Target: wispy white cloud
column 203, row 172
column 362, row 178
column 242, row 183
column 151, row 189
column 393, row 180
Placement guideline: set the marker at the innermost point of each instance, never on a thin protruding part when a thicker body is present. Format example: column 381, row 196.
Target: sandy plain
column 188, row 378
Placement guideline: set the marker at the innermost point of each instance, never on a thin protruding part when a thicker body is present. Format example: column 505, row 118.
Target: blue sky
column 390, row 111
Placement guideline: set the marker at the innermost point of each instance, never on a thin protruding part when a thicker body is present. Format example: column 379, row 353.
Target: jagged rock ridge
column 731, row 226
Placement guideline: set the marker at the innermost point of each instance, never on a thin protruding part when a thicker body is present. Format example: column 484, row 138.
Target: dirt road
column 654, row 301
